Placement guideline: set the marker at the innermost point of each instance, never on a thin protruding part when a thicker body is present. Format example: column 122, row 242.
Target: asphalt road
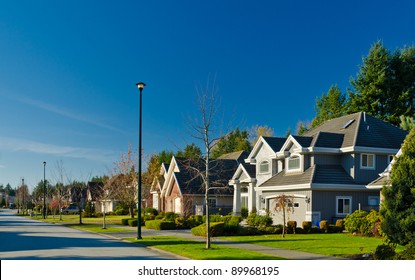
column 27, row 239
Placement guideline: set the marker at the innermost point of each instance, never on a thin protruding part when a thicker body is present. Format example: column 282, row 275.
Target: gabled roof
column 185, row 173
column 358, row 129
column 273, row 143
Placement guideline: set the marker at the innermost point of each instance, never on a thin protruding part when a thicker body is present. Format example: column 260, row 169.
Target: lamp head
column 140, row 86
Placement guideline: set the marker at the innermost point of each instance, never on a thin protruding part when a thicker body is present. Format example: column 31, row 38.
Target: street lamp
column 44, row 190
column 140, row 87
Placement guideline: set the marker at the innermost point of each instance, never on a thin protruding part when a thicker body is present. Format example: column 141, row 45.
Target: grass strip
column 196, row 250
column 338, row 245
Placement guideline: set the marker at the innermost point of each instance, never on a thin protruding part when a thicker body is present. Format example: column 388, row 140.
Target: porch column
column 251, row 196
column 237, row 199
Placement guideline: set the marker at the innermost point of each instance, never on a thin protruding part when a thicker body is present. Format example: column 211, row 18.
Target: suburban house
column 325, row 171
column 384, row 177
column 179, row 188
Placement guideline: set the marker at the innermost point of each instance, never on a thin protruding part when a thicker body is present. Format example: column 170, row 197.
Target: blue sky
column 68, row 71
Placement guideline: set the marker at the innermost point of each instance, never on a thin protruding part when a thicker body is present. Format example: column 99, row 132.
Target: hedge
column 160, row 225
column 216, row 229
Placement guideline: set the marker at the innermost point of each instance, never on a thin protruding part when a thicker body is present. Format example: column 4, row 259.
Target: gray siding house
column 326, row 170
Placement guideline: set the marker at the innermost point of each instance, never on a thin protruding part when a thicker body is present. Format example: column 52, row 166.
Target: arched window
column 293, row 163
column 264, row 167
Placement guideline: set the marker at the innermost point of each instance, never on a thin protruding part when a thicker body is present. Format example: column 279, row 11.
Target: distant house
column 326, row 170
column 179, row 189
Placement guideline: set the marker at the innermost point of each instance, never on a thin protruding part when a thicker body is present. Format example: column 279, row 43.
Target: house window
column 212, row 202
column 373, row 201
column 390, row 158
column 367, row 161
column 343, row 205
column 264, row 167
column 293, row 163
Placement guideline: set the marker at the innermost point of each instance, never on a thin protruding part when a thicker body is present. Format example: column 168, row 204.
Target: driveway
column 27, row 239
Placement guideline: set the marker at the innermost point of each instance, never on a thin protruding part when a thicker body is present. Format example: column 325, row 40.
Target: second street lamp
column 44, row 190
column 140, row 87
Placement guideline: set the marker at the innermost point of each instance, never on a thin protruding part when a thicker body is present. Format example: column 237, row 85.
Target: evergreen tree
column 398, row 206
column 385, row 85
column 329, row 106
column 191, row 151
column 236, row 140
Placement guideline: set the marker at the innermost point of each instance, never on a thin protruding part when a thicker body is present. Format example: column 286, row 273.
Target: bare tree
column 285, row 204
column 123, row 183
column 61, row 189
column 203, row 128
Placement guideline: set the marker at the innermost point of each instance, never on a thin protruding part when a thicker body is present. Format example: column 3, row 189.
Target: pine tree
column 398, row 206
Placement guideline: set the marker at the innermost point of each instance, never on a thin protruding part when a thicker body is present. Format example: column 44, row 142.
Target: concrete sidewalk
column 186, row 234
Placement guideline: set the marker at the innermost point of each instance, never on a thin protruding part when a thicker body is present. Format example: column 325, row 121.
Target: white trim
column 289, row 140
column 286, row 187
column 339, row 187
column 360, row 149
column 300, row 167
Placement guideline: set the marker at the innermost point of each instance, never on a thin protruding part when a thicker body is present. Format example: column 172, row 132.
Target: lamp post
column 44, row 190
column 140, row 87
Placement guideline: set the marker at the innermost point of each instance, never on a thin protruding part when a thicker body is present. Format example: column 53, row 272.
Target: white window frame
column 263, row 163
column 337, row 205
column 210, row 202
column 367, row 161
column 390, row 158
column 287, row 163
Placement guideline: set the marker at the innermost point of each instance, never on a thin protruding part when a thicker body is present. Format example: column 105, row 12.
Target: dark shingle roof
column 283, row 179
column 304, row 141
column 331, row 174
column 251, row 169
column 239, row 156
column 221, row 171
column 358, row 129
column 318, row 174
column 275, row 143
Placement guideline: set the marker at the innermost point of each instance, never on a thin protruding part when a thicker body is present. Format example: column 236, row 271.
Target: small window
column 212, row 202
column 367, row 161
column 294, row 163
column 343, row 205
column 373, row 201
column 264, row 167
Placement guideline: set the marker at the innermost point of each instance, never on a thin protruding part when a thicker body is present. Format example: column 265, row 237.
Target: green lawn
column 196, row 250
column 97, row 228
column 339, row 244
column 74, row 219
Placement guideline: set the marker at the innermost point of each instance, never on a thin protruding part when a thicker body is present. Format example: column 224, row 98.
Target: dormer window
column 293, row 163
column 264, row 167
column 367, row 161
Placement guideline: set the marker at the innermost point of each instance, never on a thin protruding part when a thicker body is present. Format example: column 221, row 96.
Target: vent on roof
column 346, row 125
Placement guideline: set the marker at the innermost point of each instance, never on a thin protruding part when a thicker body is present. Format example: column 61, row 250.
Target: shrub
column 333, row 229
column 160, row 225
column 235, row 220
column 407, row 254
column 373, row 224
column 215, row 218
column 244, row 212
column 195, row 220
column 384, row 252
column 250, row 220
column 291, row 225
column 170, row 216
column 132, row 222
column 216, row 229
column 315, row 229
column 324, row 225
column 356, row 221
column 151, row 211
column 180, row 223
column 124, row 221
column 340, row 223
column 120, row 210
column 89, row 210
column 306, row 226
column 98, row 214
